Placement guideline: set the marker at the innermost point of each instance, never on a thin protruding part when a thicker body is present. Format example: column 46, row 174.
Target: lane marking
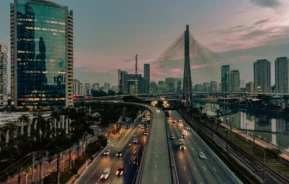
column 195, row 168
column 185, row 168
column 155, row 179
column 215, row 169
column 204, row 168
column 156, row 166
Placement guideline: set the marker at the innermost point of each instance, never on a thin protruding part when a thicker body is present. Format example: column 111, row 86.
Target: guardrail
column 141, row 165
column 172, row 161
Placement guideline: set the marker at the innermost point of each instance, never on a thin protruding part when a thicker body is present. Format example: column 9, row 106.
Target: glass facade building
column 41, row 54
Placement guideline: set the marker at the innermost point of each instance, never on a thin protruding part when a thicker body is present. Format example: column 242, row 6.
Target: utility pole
column 136, row 80
column 33, row 165
column 19, row 174
column 41, row 171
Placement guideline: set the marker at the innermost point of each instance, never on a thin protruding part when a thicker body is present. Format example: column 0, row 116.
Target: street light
column 246, row 132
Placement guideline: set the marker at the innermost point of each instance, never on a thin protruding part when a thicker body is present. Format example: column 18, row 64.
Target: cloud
column 266, row 3
column 255, row 33
column 262, row 21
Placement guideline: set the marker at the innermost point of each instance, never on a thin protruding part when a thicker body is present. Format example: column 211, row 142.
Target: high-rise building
column 199, row 87
column 76, row 89
column 106, row 87
column 131, row 77
column 114, row 88
column 213, row 86
column 250, row 88
column 235, row 81
column 81, row 89
column 282, row 75
column 262, row 76
column 146, row 78
column 206, row 86
column 121, row 81
column 41, row 54
column 153, row 87
column 87, row 89
column 3, row 74
column 225, row 78
column 161, row 86
column 95, row 86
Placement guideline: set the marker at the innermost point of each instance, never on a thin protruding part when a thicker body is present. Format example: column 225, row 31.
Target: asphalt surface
column 156, row 167
column 118, row 143
column 190, row 168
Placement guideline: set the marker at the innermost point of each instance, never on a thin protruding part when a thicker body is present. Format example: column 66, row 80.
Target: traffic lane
column 132, row 168
column 186, row 168
column 216, row 172
column 95, row 169
column 124, row 161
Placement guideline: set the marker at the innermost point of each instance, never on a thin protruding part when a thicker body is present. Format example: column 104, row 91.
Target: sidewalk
column 284, row 154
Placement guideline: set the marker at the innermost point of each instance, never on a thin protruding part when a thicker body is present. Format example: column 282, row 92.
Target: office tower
column 106, row 87
column 76, row 89
column 114, row 88
column 225, row 78
column 121, row 81
column 3, row 74
column 250, row 88
column 87, row 89
column 41, row 54
column 281, row 75
column 130, row 78
column 153, row 87
column 161, row 86
column 206, row 86
column 235, row 81
column 213, row 86
column 220, row 87
column 81, row 89
column 199, row 87
column 146, row 78
column 262, row 76
column 95, row 86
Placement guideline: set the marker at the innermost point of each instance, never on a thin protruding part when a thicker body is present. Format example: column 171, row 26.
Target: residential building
column 106, row 87
column 213, row 86
column 281, row 75
column 250, row 88
column 199, row 87
column 235, row 81
column 114, row 88
column 146, row 78
column 41, row 54
column 76, row 89
column 87, row 90
column 225, row 78
column 262, row 76
column 95, row 86
column 3, row 75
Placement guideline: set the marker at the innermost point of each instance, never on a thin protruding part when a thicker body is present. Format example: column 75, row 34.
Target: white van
column 105, row 174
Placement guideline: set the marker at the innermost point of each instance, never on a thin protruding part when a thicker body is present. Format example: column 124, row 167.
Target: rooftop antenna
column 136, row 81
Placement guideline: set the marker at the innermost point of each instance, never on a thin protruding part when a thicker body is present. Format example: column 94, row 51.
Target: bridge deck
column 156, row 167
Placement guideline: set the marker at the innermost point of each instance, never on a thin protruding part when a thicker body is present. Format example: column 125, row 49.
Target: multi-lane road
column 189, row 167
column 118, row 143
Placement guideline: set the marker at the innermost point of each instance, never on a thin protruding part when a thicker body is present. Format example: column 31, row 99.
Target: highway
column 156, row 168
column 190, row 168
column 118, row 143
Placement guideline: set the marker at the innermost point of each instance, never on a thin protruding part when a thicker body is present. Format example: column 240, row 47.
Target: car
column 174, row 121
column 183, row 135
column 120, row 171
column 135, row 161
column 129, row 144
column 188, row 128
column 180, row 121
column 119, row 154
column 142, row 127
column 105, row 174
column 135, row 140
column 173, row 136
column 135, row 151
column 106, row 152
column 146, row 133
column 202, row 155
column 127, row 127
column 185, row 131
column 169, row 118
column 139, row 125
column 148, row 125
column 182, row 146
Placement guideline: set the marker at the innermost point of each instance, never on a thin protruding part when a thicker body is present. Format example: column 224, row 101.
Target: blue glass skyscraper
column 41, row 54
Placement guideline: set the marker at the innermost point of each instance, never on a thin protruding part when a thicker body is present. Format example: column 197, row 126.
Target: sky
column 108, row 34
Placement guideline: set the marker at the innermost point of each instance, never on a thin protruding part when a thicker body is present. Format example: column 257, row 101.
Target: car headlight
column 116, row 173
column 121, row 172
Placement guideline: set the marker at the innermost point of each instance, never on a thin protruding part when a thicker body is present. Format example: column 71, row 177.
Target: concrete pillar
column 7, row 136
column 22, row 127
column 66, row 126
column 35, row 124
column 62, row 121
column 29, row 128
column 54, row 125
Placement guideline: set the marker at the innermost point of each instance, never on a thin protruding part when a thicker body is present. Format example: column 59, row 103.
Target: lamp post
column 246, row 132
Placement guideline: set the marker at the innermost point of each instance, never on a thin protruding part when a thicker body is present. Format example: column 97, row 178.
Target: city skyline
column 95, row 59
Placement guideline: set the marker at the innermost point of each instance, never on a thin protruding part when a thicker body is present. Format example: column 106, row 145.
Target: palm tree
column 10, row 129
column 55, row 116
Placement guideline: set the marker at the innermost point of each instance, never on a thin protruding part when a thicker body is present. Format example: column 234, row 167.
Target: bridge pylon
column 187, row 80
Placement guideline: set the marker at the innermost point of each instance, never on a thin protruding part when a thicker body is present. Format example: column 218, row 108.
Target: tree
column 201, row 108
column 111, row 93
column 218, row 112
